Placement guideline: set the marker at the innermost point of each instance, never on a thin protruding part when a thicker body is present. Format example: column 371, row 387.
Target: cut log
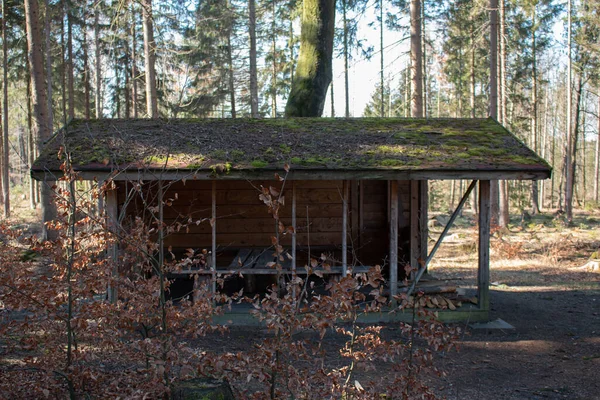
column 590, row 266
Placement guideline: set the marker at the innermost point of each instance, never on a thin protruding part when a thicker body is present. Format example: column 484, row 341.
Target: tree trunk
column 134, row 73
column 346, row 57
column 416, row 59
column 70, row 77
column 40, row 104
column 274, row 63
column 535, row 207
column 568, row 146
column 48, row 60
column 86, row 73
column 503, row 198
column 30, row 140
column 381, row 64
column 597, row 156
column 313, row 74
column 149, row 59
column 494, row 190
column 5, row 147
column 98, row 63
column 253, row 68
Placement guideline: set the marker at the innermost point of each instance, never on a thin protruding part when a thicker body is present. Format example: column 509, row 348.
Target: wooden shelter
column 355, row 189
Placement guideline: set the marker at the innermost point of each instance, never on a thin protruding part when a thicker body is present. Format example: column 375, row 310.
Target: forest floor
column 554, row 350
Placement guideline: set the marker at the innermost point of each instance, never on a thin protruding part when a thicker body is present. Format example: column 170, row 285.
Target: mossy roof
column 236, row 146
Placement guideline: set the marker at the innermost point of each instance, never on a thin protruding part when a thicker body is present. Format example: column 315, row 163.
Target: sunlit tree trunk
column 149, row 59
column 253, row 67
column 314, row 70
column 5, row 147
column 494, row 190
column 134, row 73
column 40, row 104
column 597, row 155
column 70, row 77
column 535, row 207
column 98, row 61
column 569, row 142
column 381, row 63
column 48, row 61
column 346, row 57
column 416, row 57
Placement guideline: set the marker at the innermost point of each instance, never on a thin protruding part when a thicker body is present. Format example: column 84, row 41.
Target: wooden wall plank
column 483, row 271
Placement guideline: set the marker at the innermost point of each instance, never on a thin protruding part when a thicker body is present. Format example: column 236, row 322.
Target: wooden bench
column 254, row 262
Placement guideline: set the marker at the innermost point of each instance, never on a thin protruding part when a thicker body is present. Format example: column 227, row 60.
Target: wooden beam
column 393, row 240
column 112, row 216
column 483, row 272
column 361, row 216
column 213, row 256
column 304, row 174
column 345, row 190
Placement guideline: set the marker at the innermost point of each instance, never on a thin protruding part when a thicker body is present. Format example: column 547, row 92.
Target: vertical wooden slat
column 112, row 215
column 483, row 272
column 345, row 190
column 393, row 239
column 423, row 219
column 414, row 225
column 361, row 216
column 354, row 221
column 213, row 259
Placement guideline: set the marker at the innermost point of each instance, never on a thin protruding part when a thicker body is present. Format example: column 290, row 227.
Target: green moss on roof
column 313, row 143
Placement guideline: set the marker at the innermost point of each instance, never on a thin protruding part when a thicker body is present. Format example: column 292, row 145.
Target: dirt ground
column 554, row 350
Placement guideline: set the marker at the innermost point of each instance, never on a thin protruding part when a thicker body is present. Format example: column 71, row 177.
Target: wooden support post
column 483, row 273
column 213, row 255
column 100, row 198
column 423, row 218
column 361, row 215
column 354, row 220
column 393, row 240
column 414, row 225
column 112, row 215
column 345, row 190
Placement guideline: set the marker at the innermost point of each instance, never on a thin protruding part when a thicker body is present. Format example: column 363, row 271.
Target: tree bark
column 5, row 147
column 569, row 178
column 134, row 73
column 253, row 68
column 48, row 60
column 535, row 207
column 597, row 156
column 314, row 71
column 86, row 73
column 70, row 77
column 494, row 190
column 346, row 57
column 98, row 62
column 381, row 64
column 416, row 57
column 503, row 198
column 149, row 59
column 40, row 104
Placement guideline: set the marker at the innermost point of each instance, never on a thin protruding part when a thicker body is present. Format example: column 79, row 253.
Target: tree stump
column 202, row 389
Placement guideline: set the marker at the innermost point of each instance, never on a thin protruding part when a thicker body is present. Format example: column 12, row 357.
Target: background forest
column 231, row 59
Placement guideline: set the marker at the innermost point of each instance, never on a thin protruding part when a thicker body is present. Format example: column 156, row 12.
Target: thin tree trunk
column 597, row 156
column 40, row 104
column 30, row 141
column 494, row 190
column 274, row 63
column 5, row 166
column 70, row 77
column 416, row 58
column 98, row 62
column 63, row 65
column 86, row 73
column 253, row 68
column 134, row 73
column 332, row 101
column 424, row 60
column 149, row 59
column 381, row 64
column 535, row 207
column 346, row 57
column 48, row 43
column 569, row 143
